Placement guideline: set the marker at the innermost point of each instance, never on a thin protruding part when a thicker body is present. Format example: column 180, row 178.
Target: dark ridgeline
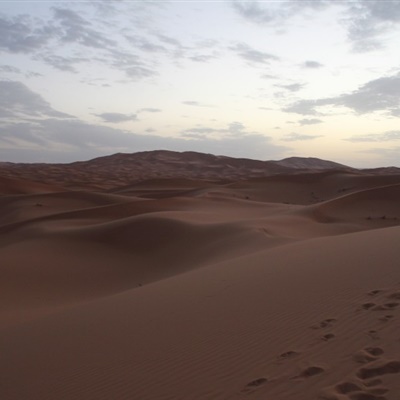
column 123, row 169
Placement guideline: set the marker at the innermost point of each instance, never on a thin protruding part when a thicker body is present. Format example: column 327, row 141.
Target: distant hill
column 310, row 163
column 383, row 171
column 119, row 170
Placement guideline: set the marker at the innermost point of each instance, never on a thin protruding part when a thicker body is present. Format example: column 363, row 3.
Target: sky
column 254, row 79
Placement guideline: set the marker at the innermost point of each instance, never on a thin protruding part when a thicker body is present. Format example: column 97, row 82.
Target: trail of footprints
column 389, row 303
column 365, row 384
column 326, row 324
column 306, row 373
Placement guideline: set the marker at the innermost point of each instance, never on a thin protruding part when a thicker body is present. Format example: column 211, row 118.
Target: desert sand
column 233, row 284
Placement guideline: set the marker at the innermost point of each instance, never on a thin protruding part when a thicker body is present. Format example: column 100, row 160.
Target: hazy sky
column 255, row 79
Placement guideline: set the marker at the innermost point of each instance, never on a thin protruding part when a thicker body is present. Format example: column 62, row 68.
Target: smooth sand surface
column 284, row 288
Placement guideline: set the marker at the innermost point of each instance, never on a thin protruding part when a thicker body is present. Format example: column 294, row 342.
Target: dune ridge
column 284, row 286
column 119, row 170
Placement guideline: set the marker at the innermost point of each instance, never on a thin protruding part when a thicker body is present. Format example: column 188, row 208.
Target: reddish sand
column 284, row 287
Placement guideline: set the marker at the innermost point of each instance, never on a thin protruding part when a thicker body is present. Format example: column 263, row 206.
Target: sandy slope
column 21, row 186
column 282, row 288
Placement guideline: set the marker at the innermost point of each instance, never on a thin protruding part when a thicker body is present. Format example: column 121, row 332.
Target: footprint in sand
column 373, row 334
column 365, row 396
column 310, row 372
column 326, row 323
column 347, row 387
column 367, row 355
column 251, row 386
column 353, row 391
column 368, row 306
column 394, row 296
column 288, row 354
column 379, row 391
column 374, row 351
column 373, row 307
column 378, row 368
column 373, row 382
column 386, row 318
column 328, row 336
column 391, row 306
column 374, row 292
column 380, row 307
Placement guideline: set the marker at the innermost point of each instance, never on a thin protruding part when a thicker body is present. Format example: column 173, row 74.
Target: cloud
column 376, row 137
column 312, row 64
column 9, row 69
column 303, row 107
column 131, row 64
column 116, row 118
column 191, row 103
column 367, row 21
column 46, row 40
column 195, row 103
column 251, row 55
column 69, row 38
column 23, row 134
column 73, row 28
column 61, row 63
column 388, row 11
column 293, row 87
column 202, row 58
column 32, row 131
column 194, row 135
column 22, row 34
column 19, row 35
column 376, row 95
column 311, row 121
column 33, row 74
column 252, row 11
column 268, row 76
column 388, row 156
column 265, row 108
column 18, row 101
column 56, row 140
column 295, row 137
column 174, row 47
column 382, row 94
column 200, row 132
column 276, row 14
column 150, row 110
column 169, row 40
column 234, row 128
column 146, row 45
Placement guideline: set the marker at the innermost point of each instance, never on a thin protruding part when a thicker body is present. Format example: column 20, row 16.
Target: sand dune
column 21, row 186
column 281, row 287
column 379, row 205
